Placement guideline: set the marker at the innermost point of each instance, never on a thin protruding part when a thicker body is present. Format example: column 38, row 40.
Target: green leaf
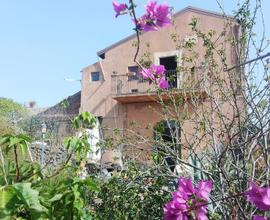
column 3, row 140
column 14, row 141
column 91, row 184
column 23, row 147
column 7, row 198
column 8, row 202
column 25, row 137
column 85, row 115
column 19, row 140
column 56, row 198
column 30, row 198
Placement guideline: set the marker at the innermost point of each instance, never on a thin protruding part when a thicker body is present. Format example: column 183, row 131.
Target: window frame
column 92, row 76
column 135, row 76
column 178, row 54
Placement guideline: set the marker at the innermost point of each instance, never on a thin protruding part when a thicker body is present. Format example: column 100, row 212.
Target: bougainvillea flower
column 156, row 74
column 119, row 8
column 147, row 74
column 203, row 190
column 147, row 23
column 200, row 212
column 156, row 16
column 162, row 15
column 186, row 185
column 188, row 202
column 259, row 196
column 158, row 69
column 151, row 73
column 172, row 210
column 256, row 217
column 151, row 7
column 163, row 83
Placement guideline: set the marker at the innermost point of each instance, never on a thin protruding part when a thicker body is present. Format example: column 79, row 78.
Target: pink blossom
column 172, row 210
column 155, row 71
column 163, row 83
column 150, row 7
column 156, row 16
column 162, row 12
column 187, row 200
column 158, row 69
column 186, row 185
column 203, row 190
column 119, row 8
column 156, row 74
column 147, row 74
column 256, row 217
column 147, row 23
column 259, row 196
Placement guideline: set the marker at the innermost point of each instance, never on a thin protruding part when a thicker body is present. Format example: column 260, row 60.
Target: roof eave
column 188, row 8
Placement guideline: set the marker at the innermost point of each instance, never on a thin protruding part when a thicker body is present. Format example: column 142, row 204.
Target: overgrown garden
column 220, row 171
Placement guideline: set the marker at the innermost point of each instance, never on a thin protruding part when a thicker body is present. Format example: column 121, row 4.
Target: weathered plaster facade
column 117, row 112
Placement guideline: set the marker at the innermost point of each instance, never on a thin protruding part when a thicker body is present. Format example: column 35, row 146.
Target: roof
column 89, row 66
column 74, row 103
column 188, row 8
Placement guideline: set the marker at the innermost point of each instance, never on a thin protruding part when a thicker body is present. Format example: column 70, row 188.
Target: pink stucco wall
column 97, row 97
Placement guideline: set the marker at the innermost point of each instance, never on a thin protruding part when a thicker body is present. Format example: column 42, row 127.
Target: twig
column 61, row 168
column 133, row 14
column 16, row 164
column 248, row 62
column 3, row 166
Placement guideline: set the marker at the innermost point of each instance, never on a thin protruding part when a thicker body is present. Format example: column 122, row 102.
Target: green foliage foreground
column 29, row 191
column 133, row 194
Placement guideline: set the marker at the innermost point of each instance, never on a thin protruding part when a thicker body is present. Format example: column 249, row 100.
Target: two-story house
column 113, row 90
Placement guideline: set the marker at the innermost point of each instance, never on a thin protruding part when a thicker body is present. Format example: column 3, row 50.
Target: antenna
column 73, row 80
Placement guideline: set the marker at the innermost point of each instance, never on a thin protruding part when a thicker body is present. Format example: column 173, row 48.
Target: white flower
column 191, row 40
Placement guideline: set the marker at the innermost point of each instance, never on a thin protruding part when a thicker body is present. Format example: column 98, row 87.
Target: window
column 171, row 60
column 167, row 134
column 95, row 76
column 133, row 72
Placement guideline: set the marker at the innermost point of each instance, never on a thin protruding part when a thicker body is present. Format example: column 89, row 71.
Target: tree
column 229, row 142
column 12, row 114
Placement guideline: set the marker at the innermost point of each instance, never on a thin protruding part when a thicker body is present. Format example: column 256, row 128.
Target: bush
column 133, row 194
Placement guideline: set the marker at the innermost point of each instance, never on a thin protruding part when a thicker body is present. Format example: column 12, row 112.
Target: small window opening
column 134, row 90
column 95, row 76
column 133, row 72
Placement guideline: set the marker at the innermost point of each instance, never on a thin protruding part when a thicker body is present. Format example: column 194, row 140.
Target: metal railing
column 131, row 84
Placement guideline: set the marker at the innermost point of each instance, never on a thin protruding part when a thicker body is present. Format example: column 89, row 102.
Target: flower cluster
column 188, row 202
column 156, row 74
column 259, row 196
column 256, row 217
column 119, row 8
column 156, row 15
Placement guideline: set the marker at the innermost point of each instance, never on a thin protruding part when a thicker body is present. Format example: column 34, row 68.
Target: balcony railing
column 129, row 85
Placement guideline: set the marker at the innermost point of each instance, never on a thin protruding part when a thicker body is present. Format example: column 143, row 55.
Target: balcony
column 129, row 88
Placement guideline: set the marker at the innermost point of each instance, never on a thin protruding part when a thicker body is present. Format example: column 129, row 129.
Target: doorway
column 167, row 134
column 170, row 64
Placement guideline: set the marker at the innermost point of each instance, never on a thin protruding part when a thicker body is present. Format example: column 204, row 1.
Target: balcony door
column 170, row 64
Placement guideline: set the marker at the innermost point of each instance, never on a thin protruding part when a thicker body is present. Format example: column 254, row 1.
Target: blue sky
column 43, row 42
